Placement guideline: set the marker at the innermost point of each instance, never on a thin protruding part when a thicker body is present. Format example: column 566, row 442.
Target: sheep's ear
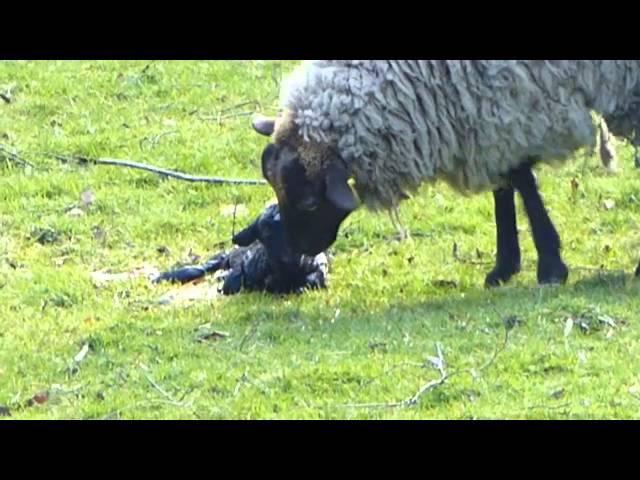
column 339, row 191
column 264, row 126
column 268, row 161
column 246, row 237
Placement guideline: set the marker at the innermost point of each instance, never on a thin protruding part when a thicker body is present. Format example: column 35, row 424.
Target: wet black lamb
column 262, row 261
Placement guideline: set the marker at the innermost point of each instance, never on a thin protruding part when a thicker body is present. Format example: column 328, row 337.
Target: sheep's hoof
column 552, row 272
column 500, row 274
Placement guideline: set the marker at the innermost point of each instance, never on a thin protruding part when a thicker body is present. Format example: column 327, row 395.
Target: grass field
column 368, row 339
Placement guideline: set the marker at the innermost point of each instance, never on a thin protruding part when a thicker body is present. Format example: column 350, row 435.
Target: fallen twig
column 7, row 94
column 160, row 171
column 439, row 363
column 159, row 388
column 221, row 115
column 241, row 380
column 14, row 157
column 164, row 393
column 469, row 261
column 115, row 414
column 155, row 139
column 396, row 367
column 413, row 400
column 548, row 407
column 620, row 270
column 220, row 118
column 255, row 103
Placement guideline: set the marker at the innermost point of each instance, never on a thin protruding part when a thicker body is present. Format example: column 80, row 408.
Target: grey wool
column 400, row 123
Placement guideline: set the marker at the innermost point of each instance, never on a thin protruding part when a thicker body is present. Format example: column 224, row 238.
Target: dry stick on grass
column 153, row 140
column 396, row 367
column 619, row 270
column 241, row 380
column 439, row 363
column 457, row 257
column 548, row 407
column 115, row 414
column 170, row 400
column 158, row 387
column 160, row 171
column 218, row 116
column 255, row 103
column 14, row 157
column 413, row 400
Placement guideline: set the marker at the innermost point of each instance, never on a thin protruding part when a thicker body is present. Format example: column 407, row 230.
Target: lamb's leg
column 508, row 248
column 551, row 268
column 194, row 272
column 232, row 283
column 217, row 262
column 316, row 280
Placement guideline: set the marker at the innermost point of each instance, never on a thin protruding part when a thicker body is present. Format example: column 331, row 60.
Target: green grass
column 364, row 340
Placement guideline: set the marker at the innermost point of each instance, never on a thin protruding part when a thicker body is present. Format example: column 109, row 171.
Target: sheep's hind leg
column 508, row 247
column 551, row 268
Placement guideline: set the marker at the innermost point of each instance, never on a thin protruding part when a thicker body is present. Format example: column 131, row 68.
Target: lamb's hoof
column 500, row 274
column 552, row 272
column 232, row 283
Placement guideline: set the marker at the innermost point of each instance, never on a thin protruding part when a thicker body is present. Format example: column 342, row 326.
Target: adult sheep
column 391, row 125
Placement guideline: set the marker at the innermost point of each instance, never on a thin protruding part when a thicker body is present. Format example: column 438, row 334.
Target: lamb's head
column 269, row 231
column 311, row 183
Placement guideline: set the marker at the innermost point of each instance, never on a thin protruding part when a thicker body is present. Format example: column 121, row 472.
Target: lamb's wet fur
column 262, row 261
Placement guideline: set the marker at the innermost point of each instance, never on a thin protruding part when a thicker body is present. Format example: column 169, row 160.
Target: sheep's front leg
column 508, row 248
column 551, row 268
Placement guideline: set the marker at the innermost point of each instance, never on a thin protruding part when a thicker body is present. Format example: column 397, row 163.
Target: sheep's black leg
column 508, row 248
column 551, row 268
column 638, row 270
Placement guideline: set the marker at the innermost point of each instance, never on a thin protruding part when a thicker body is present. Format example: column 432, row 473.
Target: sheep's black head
column 311, row 184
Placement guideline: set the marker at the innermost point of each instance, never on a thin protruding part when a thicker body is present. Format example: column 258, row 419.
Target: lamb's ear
column 264, row 125
column 339, row 191
column 246, row 237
